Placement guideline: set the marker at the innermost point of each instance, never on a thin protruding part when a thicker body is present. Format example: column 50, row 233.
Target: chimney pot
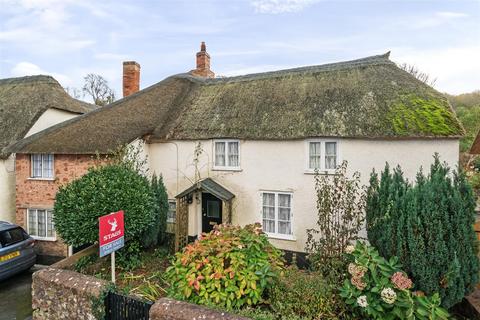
column 131, row 77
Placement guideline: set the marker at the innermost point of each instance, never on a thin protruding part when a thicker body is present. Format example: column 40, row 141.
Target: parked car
column 16, row 250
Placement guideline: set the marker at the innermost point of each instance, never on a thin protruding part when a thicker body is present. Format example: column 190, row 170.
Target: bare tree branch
column 422, row 76
column 97, row 87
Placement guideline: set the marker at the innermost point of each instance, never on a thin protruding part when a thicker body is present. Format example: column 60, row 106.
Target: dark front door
column 211, row 211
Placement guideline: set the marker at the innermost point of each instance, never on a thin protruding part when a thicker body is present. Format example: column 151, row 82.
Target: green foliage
column 84, row 262
column 129, row 257
column 306, row 295
column 428, row 226
column 414, row 115
column 103, row 190
column 229, row 267
column 379, row 289
column 340, row 206
column 161, row 197
column 470, row 119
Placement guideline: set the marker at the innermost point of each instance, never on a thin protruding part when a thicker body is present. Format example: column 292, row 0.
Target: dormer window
column 226, row 155
column 323, row 155
column 42, row 166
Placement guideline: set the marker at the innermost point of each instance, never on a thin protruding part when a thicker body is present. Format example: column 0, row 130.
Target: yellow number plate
column 9, row 256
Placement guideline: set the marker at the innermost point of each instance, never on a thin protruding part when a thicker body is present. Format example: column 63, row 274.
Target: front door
column 211, row 211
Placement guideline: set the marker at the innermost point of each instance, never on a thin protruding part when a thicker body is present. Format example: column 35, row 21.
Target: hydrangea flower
column 356, row 270
column 362, row 301
column 349, row 249
column 388, row 295
column 401, row 281
column 358, row 283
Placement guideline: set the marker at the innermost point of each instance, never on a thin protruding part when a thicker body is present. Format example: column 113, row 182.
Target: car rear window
column 12, row 236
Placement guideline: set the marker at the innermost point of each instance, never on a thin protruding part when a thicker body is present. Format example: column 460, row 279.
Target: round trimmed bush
column 229, row 267
column 103, row 190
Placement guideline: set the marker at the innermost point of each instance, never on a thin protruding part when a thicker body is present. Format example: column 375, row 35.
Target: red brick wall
column 40, row 194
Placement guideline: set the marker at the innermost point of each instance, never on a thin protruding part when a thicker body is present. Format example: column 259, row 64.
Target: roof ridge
column 29, row 79
column 334, row 66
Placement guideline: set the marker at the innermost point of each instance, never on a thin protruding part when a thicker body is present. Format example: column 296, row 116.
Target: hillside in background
column 467, row 107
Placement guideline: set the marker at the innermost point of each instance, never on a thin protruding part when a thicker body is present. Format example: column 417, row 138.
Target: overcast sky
column 70, row 38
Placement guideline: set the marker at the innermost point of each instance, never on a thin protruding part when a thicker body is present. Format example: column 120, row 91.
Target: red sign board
column 111, row 232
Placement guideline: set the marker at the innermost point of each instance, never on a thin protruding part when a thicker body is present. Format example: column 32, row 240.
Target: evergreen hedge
column 103, row 190
column 428, row 226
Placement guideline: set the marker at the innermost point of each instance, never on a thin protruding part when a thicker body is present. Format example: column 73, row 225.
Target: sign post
column 111, row 233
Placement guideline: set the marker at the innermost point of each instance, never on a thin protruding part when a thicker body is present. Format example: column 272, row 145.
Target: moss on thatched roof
column 23, row 100
column 365, row 98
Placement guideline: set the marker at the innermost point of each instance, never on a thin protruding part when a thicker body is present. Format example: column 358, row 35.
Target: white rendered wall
column 280, row 166
column 7, row 189
column 49, row 118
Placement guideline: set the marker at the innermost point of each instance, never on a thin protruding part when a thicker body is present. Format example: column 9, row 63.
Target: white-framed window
column 322, row 155
column 277, row 214
column 40, row 224
column 172, row 211
column 42, row 166
column 226, row 154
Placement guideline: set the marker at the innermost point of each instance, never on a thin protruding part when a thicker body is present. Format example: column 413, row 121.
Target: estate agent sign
column 111, row 236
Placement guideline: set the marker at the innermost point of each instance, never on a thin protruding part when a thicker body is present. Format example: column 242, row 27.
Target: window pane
column 172, row 211
column 48, row 166
column 32, row 223
column 284, row 214
column 284, row 227
column 315, row 155
column 220, row 154
column 284, row 200
column 36, row 165
column 330, row 155
column 50, row 224
column 268, row 209
column 269, row 199
column 42, row 230
column 213, row 209
column 233, row 157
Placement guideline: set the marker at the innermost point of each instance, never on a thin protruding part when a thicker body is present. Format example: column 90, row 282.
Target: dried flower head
column 362, row 301
column 356, row 271
column 401, row 281
column 349, row 249
column 358, row 283
column 388, row 295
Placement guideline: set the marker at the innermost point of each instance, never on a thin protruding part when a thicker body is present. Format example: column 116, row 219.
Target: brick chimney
column 203, row 63
column 131, row 77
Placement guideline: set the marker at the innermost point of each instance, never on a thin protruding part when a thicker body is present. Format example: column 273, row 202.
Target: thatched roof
column 365, row 98
column 23, row 100
column 476, row 145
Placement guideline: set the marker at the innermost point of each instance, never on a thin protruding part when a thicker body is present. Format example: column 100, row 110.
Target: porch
column 199, row 208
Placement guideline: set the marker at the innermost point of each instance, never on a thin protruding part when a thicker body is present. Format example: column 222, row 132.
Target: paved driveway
column 16, row 297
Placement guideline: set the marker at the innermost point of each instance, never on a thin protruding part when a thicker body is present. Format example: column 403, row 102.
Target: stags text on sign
column 111, row 233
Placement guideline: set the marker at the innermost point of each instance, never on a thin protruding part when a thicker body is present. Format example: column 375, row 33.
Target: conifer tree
column 429, row 226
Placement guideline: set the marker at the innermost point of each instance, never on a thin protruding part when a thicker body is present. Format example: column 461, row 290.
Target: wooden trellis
column 181, row 225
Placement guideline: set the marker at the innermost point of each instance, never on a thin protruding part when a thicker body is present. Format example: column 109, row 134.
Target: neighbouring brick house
column 35, row 198
column 244, row 149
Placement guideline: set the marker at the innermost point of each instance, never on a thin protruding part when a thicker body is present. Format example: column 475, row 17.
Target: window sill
column 281, row 237
column 235, row 169
column 49, row 239
column 320, row 172
column 41, row 179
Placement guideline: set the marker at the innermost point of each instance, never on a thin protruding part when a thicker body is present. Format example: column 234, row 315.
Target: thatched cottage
column 243, row 149
column 29, row 105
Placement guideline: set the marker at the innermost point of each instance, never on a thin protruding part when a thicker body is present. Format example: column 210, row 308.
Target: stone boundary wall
column 64, row 294
column 169, row 309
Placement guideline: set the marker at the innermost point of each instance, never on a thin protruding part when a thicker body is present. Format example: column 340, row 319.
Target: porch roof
column 209, row 185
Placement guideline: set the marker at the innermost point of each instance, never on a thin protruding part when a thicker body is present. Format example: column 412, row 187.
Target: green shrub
column 379, row 289
column 155, row 233
column 103, row 190
column 229, row 267
column 340, row 216
column 307, row 295
column 429, row 227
